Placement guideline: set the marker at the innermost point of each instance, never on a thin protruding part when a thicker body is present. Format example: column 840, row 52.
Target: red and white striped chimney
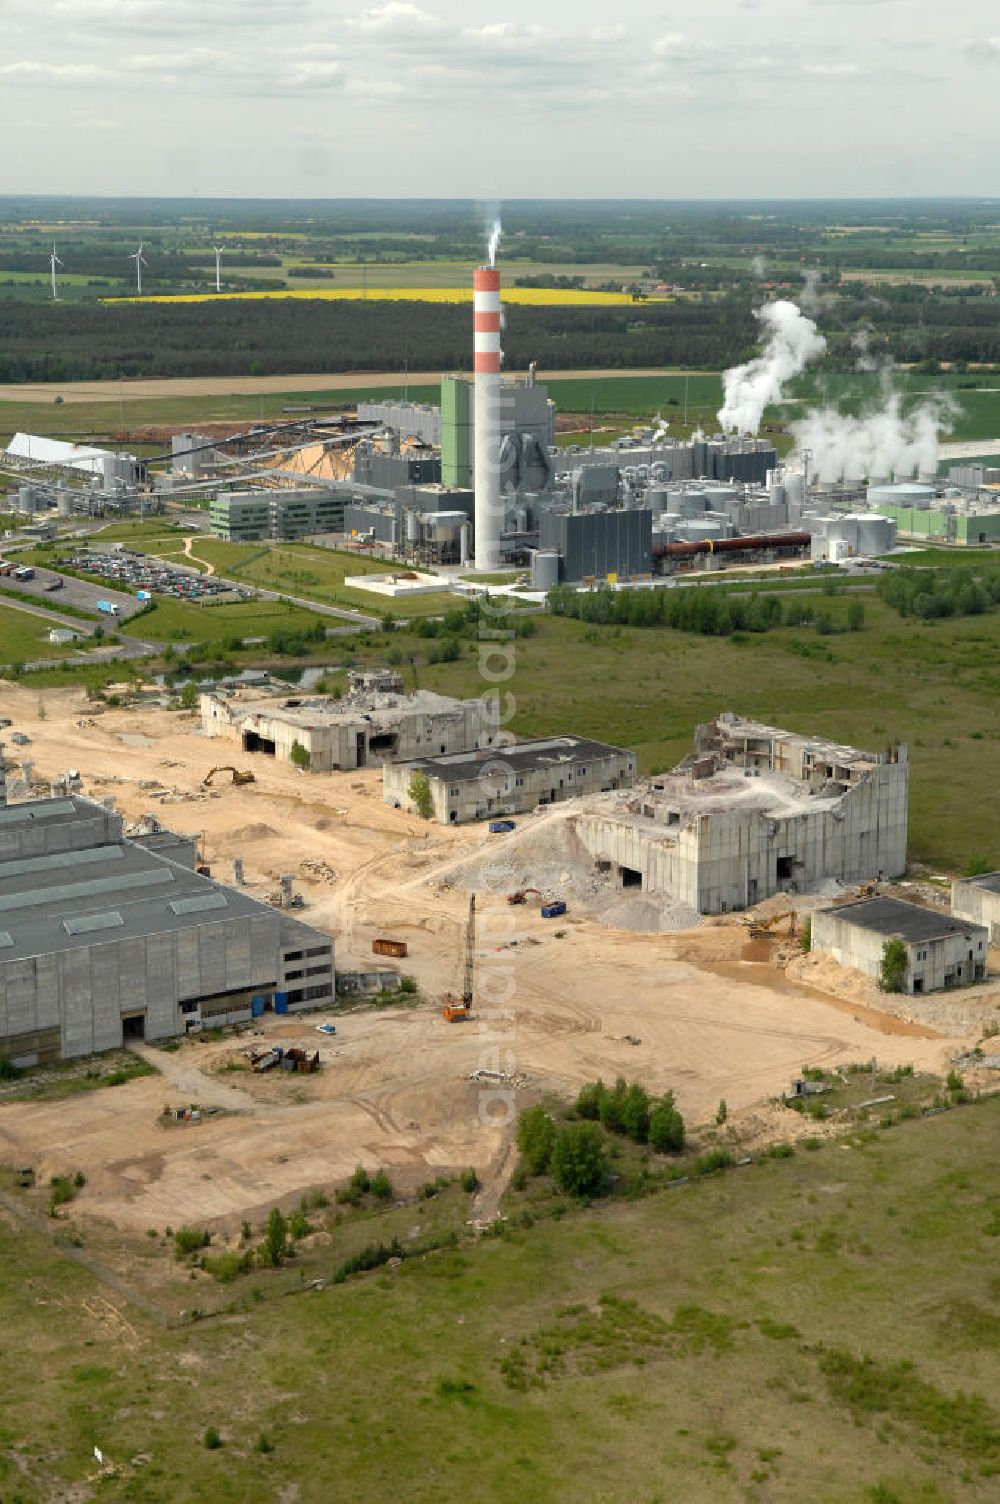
column 488, row 426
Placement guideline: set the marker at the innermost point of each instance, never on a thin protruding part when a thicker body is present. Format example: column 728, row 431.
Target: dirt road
column 555, row 1007
column 145, row 389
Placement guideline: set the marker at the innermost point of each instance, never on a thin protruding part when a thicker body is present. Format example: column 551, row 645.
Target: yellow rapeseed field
column 538, row 297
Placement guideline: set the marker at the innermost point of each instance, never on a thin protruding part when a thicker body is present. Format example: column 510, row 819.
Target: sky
column 558, row 99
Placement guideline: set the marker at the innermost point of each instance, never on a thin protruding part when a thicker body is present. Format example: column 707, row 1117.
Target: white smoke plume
column 811, row 298
column 792, row 341
column 493, row 244
column 882, row 443
column 860, row 342
column 758, row 266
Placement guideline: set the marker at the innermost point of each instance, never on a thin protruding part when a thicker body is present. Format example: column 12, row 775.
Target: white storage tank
column 905, row 494
column 544, row 569
column 658, row 499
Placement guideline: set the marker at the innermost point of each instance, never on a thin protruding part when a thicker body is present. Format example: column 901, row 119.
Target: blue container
column 257, row 1006
column 553, row 910
column 500, row 827
column 281, row 1002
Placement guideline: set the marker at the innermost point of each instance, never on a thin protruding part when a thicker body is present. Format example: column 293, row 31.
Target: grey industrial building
column 105, row 939
column 977, row 899
column 376, row 722
column 599, row 545
column 941, row 950
column 756, row 811
column 511, row 780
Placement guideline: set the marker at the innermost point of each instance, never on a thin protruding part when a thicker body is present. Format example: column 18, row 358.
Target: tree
column 420, row 796
column 635, row 1113
column 579, row 1163
column 892, row 967
column 189, row 695
column 666, row 1126
column 275, row 1244
column 300, row 756
column 806, row 934
column 536, row 1134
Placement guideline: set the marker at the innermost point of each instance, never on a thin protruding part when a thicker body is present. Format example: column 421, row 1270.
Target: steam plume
column 494, row 243
column 885, row 442
column 792, row 342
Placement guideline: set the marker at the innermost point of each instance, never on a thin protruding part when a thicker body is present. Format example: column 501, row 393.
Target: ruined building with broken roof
column 756, row 811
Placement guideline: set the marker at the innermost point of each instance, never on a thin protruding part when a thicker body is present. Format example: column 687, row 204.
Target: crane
column 457, row 1009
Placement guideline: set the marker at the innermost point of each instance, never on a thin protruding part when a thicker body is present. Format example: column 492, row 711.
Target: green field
column 24, row 636
column 822, row 1327
column 934, row 686
column 316, row 574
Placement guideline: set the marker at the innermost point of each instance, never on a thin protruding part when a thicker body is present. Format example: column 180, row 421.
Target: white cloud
column 31, row 71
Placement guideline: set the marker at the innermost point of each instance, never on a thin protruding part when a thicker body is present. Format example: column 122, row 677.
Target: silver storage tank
column 544, row 569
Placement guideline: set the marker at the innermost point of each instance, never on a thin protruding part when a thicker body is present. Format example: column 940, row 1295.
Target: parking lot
column 136, row 571
column 78, row 593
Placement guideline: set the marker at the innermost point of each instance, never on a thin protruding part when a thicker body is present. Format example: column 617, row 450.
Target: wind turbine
column 53, row 263
column 140, row 262
column 218, row 263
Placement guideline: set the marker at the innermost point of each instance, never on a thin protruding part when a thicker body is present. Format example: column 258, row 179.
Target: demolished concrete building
column 375, row 723
column 753, row 812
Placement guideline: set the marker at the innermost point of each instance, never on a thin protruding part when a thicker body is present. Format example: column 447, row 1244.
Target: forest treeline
column 85, row 341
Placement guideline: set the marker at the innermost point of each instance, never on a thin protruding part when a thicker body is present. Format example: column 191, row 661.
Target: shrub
column 275, row 1244
column 666, row 1126
column 579, row 1162
column 712, row 1161
column 227, row 1266
column 300, row 756
column 955, row 1082
column 536, row 1134
column 299, row 1225
column 588, row 1102
column 361, row 1180
column 188, row 1240
column 806, row 934
column 382, row 1186
column 61, row 1190
column 370, row 1257
column 407, row 984
column 470, row 1180
column 212, row 1439
column 263, row 1443
column 722, row 1112
column 892, row 967
column 420, row 796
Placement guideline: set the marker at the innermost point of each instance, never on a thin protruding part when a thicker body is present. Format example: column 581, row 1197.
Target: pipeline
column 731, row 545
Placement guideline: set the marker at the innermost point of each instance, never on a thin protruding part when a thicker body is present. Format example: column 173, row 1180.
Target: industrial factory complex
column 479, row 480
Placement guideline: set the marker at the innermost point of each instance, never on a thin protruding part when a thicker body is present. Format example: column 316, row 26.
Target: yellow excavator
column 761, row 927
column 457, row 1009
column 240, row 775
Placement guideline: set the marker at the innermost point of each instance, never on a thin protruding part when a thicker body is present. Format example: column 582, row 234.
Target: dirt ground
column 699, row 1011
column 251, row 386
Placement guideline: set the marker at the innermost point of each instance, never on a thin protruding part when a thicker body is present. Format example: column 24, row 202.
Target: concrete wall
column 978, row 905
column 932, row 965
column 729, row 859
column 500, row 793
column 352, row 742
column 80, row 995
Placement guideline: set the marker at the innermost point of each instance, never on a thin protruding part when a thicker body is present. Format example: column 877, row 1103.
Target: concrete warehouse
column 512, row 779
column 757, row 811
column 941, row 951
column 375, row 723
column 103, row 940
column 977, row 899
